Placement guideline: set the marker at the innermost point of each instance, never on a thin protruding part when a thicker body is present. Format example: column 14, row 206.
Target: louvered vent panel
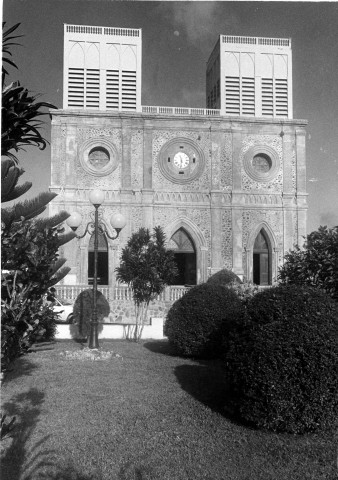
column 112, row 90
column 267, row 97
column 128, row 90
column 76, row 87
column 281, row 96
column 248, row 96
column 232, row 96
column 92, row 88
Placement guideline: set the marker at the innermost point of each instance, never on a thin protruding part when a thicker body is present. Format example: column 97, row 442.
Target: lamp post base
column 93, row 341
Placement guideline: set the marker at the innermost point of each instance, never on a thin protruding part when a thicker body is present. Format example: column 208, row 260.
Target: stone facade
column 222, row 197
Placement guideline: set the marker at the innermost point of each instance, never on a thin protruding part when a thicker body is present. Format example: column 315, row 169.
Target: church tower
column 102, row 68
column 251, row 77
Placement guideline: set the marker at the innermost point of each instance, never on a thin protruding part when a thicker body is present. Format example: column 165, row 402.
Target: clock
column 181, row 160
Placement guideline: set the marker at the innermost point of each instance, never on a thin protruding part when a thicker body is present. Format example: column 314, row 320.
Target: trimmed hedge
column 282, row 360
column 223, row 277
column 197, row 322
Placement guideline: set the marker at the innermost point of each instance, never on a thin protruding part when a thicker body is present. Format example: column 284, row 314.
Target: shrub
column 223, row 277
column 197, row 322
column 245, row 290
column 83, row 309
column 282, row 360
column 316, row 264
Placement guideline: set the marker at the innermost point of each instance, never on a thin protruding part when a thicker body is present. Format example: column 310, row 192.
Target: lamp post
column 117, row 221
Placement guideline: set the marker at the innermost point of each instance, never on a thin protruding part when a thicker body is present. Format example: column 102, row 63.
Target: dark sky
column 177, row 40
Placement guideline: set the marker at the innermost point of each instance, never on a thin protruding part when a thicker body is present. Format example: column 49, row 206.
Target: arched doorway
column 102, row 260
column 262, row 260
column 185, row 256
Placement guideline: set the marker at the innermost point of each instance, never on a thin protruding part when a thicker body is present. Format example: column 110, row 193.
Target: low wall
column 115, row 331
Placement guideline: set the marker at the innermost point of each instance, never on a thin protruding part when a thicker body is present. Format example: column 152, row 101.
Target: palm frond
column 60, row 274
column 57, row 266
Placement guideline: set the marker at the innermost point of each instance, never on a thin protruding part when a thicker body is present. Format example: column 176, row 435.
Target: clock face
column 181, row 160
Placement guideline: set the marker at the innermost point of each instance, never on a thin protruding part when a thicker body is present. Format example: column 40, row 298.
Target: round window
column 261, row 163
column 98, row 157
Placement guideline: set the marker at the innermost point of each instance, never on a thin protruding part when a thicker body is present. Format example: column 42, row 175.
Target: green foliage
column 6, row 428
column 282, row 360
column 316, row 264
column 245, row 290
column 147, row 267
column 83, row 309
column 198, row 321
column 10, row 174
column 223, row 277
column 19, row 110
column 29, row 246
column 28, row 255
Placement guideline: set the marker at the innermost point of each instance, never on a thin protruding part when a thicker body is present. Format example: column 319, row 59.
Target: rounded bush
column 282, row 360
column 197, row 322
column 223, row 277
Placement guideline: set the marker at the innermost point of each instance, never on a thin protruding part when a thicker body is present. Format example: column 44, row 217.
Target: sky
column 177, row 38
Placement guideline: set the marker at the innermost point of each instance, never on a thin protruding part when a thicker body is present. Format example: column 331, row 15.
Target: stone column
column 237, row 242
column 301, row 184
column 289, row 206
column 216, row 231
column 126, row 156
column 237, row 204
column 147, row 191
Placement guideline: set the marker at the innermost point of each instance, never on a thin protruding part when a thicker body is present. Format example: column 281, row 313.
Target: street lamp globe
column 96, row 197
column 118, row 221
column 74, row 221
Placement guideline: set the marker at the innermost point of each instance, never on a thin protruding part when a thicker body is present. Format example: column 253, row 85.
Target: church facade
column 227, row 183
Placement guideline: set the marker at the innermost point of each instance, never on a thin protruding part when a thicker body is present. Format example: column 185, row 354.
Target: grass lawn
column 144, row 415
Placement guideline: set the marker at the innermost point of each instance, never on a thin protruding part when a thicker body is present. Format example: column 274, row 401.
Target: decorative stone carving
column 137, row 160
column 98, row 157
column 181, row 197
column 227, row 239
column 88, row 177
column 272, row 181
column 271, row 199
column 136, row 219
column 226, row 164
column 163, row 180
column 252, row 218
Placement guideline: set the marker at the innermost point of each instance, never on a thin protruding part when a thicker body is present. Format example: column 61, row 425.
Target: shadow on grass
column 205, row 382
column 161, row 346
column 26, row 408
column 20, row 367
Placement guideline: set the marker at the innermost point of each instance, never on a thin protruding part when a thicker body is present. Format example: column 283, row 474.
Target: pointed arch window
column 102, row 260
column 262, row 259
column 185, row 256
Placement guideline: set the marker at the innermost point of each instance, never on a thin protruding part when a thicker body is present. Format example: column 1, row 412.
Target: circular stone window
column 98, row 157
column 181, row 160
column 261, row 163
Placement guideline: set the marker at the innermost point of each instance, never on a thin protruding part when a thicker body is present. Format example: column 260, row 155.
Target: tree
column 316, row 264
column 19, row 110
column 31, row 265
column 29, row 245
column 147, row 267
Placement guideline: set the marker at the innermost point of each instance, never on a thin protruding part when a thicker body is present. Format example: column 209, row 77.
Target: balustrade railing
column 278, row 42
column 121, row 293
column 181, row 111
